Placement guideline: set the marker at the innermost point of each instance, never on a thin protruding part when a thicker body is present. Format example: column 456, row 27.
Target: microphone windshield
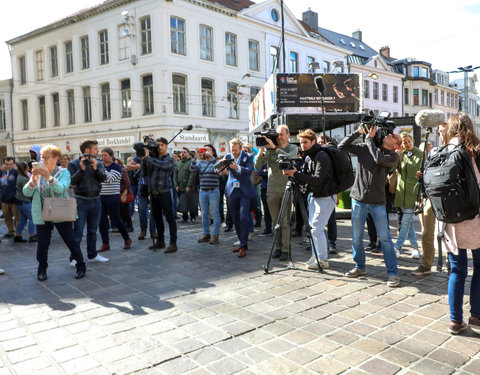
column 428, row 118
column 319, row 84
column 188, row 127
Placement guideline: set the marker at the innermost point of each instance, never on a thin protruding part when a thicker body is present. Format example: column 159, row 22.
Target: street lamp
column 466, row 69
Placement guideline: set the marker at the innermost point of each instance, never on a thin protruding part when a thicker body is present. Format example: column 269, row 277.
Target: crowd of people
column 238, row 189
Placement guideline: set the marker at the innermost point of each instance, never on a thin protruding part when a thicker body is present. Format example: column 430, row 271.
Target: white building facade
column 6, row 128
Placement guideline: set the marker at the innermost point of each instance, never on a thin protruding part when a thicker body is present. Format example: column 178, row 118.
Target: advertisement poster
column 263, row 106
column 297, row 93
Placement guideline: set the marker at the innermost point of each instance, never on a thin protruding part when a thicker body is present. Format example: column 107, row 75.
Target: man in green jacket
column 276, row 185
column 183, row 181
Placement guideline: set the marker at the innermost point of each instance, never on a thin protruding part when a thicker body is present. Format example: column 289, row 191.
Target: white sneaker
column 415, row 254
column 2, row 272
column 73, row 263
column 98, row 259
column 313, row 265
column 236, row 243
column 397, row 252
column 224, row 225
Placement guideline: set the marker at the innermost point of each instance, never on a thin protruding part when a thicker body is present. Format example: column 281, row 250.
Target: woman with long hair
column 24, row 205
column 462, row 236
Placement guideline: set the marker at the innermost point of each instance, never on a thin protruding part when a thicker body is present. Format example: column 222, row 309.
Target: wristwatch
column 275, row 148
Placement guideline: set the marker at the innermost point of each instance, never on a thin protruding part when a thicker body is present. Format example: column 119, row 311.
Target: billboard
column 263, row 105
column 296, row 93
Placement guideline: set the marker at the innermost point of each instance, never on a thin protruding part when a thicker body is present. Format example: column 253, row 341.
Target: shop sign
column 127, row 140
column 192, row 138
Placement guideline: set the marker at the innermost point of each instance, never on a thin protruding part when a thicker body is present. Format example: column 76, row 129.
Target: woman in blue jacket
column 48, row 182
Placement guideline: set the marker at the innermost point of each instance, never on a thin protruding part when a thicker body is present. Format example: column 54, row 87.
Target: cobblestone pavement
column 202, row 310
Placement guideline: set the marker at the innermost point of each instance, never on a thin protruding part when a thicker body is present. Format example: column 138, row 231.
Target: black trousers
column 162, row 206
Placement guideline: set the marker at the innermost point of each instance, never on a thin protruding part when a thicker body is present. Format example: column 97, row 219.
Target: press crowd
column 236, row 191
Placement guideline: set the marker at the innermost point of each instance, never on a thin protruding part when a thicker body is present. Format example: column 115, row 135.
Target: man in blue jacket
column 8, row 180
column 240, row 191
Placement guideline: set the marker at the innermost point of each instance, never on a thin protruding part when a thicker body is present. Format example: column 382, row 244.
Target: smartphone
column 36, row 165
column 201, row 150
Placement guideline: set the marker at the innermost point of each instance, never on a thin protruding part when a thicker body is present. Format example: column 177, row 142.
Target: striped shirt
column 111, row 185
column 208, row 175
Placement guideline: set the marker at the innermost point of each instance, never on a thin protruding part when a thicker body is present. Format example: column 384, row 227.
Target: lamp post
column 466, row 69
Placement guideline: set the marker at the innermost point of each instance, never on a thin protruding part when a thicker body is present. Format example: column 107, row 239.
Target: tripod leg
column 278, row 225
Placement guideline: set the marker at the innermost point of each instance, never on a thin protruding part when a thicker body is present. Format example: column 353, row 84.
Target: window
column 232, row 100
column 68, row 57
column 436, row 96
column 416, row 71
column 231, row 49
column 415, row 97
column 207, row 97
column 206, row 43
column 293, row 62
column 384, row 92
column 103, row 36
column 71, row 107
column 56, row 109
column 126, row 98
column 177, row 35
column 23, row 70
column 146, row 35
column 274, row 63
column 405, row 95
column 53, row 61
column 123, row 42
column 179, row 93
column 87, row 104
column 274, row 14
column 253, row 55
column 40, row 65
column 24, row 114
column 147, row 85
column 326, row 67
column 85, row 52
column 424, row 72
column 253, row 92
column 448, row 99
column 366, row 89
column 310, row 60
column 442, row 97
column 375, row 90
column 425, row 97
column 395, row 94
column 3, row 123
column 106, row 108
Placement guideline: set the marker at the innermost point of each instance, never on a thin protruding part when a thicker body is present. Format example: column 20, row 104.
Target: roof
column 354, row 45
column 311, row 31
column 234, row 4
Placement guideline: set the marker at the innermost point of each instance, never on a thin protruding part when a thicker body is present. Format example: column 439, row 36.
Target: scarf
column 44, row 187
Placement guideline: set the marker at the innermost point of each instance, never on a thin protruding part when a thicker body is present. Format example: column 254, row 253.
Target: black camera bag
column 342, row 167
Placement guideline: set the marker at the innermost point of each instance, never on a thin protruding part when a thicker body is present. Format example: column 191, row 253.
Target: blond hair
column 236, row 141
column 52, row 149
column 309, row 134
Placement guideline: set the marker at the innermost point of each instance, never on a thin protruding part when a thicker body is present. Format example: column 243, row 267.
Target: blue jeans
column 143, row 213
column 135, row 195
column 456, row 284
column 407, row 229
column 209, row 202
column 25, row 216
column 88, row 212
column 379, row 215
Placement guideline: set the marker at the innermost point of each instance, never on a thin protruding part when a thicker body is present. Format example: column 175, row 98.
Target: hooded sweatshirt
column 36, row 149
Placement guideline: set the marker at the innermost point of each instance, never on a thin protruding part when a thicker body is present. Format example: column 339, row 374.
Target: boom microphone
column 428, row 118
column 320, row 85
column 188, row 127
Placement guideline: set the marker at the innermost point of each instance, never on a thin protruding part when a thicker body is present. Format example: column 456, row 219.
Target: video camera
column 151, row 146
column 271, row 134
column 383, row 124
column 286, row 162
column 223, row 163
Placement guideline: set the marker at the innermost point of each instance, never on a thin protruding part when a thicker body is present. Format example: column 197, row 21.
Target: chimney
column 385, row 52
column 310, row 18
column 357, row 35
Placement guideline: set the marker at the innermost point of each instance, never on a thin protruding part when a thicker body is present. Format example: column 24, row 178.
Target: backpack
column 342, row 167
column 451, row 185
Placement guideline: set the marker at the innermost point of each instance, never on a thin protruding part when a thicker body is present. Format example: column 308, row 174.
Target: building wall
column 6, row 130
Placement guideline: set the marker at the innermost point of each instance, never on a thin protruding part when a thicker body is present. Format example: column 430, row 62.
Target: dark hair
column 186, row 149
column 87, row 143
column 8, row 158
column 162, row 140
column 22, row 168
column 108, row 150
column 213, row 148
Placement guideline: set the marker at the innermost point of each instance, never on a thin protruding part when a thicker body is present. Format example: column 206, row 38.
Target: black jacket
column 159, row 172
column 317, row 173
column 87, row 183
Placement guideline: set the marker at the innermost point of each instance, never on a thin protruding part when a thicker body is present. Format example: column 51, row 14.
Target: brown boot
column 205, row 238
column 143, row 234
column 214, row 240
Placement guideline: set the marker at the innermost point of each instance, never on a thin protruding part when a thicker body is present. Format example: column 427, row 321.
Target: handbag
column 256, row 178
column 129, row 198
column 392, row 181
column 59, row 208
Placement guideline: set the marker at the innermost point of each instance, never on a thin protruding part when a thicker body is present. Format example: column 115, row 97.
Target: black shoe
column 8, row 235
column 33, row 238
column 41, row 274
column 228, row 229
column 371, row 246
column 19, row 239
column 277, row 253
column 171, row 248
column 332, row 248
column 283, row 256
column 157, row 245
column 266, row 233
column 79, row 275
column 258, row 225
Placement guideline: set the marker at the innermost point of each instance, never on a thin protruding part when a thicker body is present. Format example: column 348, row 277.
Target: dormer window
column 342, row 41
column 361, row 46
column 352, row 44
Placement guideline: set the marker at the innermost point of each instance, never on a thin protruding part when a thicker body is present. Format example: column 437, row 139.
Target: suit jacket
column 246, row 168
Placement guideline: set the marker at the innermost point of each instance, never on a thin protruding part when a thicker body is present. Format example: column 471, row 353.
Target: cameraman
column 368, row 196
column 87, row 174
column 159, row 169
column 318, row 177
column 276, row 184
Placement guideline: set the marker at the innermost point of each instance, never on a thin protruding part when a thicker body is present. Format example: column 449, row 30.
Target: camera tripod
column 291, row 190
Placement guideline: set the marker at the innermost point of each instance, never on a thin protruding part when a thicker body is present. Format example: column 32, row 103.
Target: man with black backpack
column 368, row 195
column 319, row 178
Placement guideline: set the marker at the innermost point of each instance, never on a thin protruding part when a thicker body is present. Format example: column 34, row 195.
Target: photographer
column 368, row 195
column 318, row 177
column 88, row 173
column 159, row 169
column 276, row 184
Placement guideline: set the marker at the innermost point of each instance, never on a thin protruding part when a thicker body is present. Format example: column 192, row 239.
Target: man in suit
column 240, row 191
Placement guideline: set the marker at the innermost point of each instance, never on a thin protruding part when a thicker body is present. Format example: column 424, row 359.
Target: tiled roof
column 349, row 43
column 310, row 29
